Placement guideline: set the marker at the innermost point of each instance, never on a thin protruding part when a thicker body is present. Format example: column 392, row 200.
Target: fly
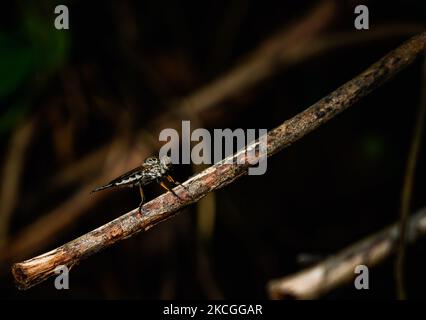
column 152, row 169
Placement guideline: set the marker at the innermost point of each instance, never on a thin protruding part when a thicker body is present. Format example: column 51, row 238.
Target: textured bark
column 35, row 270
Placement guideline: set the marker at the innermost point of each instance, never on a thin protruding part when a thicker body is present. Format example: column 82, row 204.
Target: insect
column 152, row 169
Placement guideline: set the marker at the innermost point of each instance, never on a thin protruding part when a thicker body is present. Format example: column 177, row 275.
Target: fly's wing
column 129, row 179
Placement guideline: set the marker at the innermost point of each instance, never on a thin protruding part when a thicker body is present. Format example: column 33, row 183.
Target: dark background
column 123, row 64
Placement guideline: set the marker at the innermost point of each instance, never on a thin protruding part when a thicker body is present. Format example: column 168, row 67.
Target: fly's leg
column 177, row 183
column 142, row 200
column 168, row 177
column 168, row 189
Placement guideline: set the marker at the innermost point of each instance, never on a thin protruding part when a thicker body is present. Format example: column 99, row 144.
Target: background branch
column 264, row 61
column 339, row 269
column 35, row 270
column 11, row 174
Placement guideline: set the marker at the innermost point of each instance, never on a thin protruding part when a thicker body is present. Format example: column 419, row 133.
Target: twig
column 43, row 231
column 79, row 169
column 264, row 61
column 291, row 54
column 337, row 270
column 39, row 233
column 408, row 188
column 35, row 270
column 270, row 54
column 11, row 174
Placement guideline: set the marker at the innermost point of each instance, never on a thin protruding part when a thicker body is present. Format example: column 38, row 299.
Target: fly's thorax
column 156, row 171
column 155, row 168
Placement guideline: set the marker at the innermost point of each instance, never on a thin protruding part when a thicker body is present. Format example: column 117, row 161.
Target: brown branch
column 43, row 231
column 275, row 52
column 337, row 270
column 11, row 174
column 271, row 53
column 289, row 55
column 35, row 270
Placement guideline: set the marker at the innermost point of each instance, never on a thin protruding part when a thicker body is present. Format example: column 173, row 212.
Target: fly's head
column 152, row 161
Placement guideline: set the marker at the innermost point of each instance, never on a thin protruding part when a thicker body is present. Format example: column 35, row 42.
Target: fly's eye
column 151, row 160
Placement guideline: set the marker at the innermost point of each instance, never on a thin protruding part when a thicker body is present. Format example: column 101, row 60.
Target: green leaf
column 15, row 65
column 49, row 45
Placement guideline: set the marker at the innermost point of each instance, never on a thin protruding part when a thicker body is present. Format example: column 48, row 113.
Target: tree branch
column 11, row 175
column 35, row 270
column 339, row 269
column 271, row 55
column 280, row 50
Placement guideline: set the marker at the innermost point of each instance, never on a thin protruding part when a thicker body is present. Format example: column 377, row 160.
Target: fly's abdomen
column 130, row 181
column 109, row 185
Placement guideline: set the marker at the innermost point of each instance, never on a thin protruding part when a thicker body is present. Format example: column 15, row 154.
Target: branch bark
column 35, row 270
column 289, row 54
column 339, row 269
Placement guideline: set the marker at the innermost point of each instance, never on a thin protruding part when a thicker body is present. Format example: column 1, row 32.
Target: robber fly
column 153, row 169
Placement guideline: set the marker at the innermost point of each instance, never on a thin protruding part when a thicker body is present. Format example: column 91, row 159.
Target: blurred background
column 79, row 107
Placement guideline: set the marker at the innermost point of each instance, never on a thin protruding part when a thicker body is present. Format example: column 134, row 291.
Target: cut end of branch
column 23, row 280
column 31, row 272
column 20, row 276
